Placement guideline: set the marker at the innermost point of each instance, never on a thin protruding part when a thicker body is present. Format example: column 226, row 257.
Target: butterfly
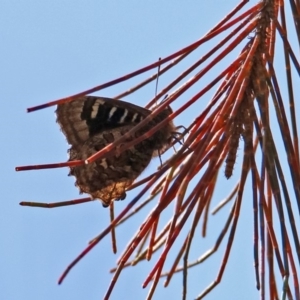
column 91, row 123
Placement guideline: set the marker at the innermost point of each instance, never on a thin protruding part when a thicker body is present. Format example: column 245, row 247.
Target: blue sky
column 52, row 49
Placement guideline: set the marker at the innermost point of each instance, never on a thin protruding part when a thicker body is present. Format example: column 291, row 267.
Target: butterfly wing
column 84, row 117
column 108, row 178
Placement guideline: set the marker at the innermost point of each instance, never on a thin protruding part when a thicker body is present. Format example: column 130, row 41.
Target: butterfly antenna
column 156, row 88
column 158, row 71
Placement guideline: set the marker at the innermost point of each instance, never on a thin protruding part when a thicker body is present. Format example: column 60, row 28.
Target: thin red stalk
column 164, row 183
column 56, row 204
column 209, row 193
column 141, row 256
column 152, row 239
column 271, row 36
column 139, row 251
column 113, row 230
column 154, row 228
column 261, row 186
column 226, row 200
column 73, row 163
column 141, row 181
column 255, row 218
column 290, row 90
column 174, row 266
column 294, row 271
column 270, row 256
column 232, row 231
column 135, row 210
column 154, row 283
column 200, row 129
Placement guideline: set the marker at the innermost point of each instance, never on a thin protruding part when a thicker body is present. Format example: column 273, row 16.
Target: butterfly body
column 90, row 124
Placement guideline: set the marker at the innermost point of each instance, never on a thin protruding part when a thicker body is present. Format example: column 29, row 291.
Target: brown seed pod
column 235, row 132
